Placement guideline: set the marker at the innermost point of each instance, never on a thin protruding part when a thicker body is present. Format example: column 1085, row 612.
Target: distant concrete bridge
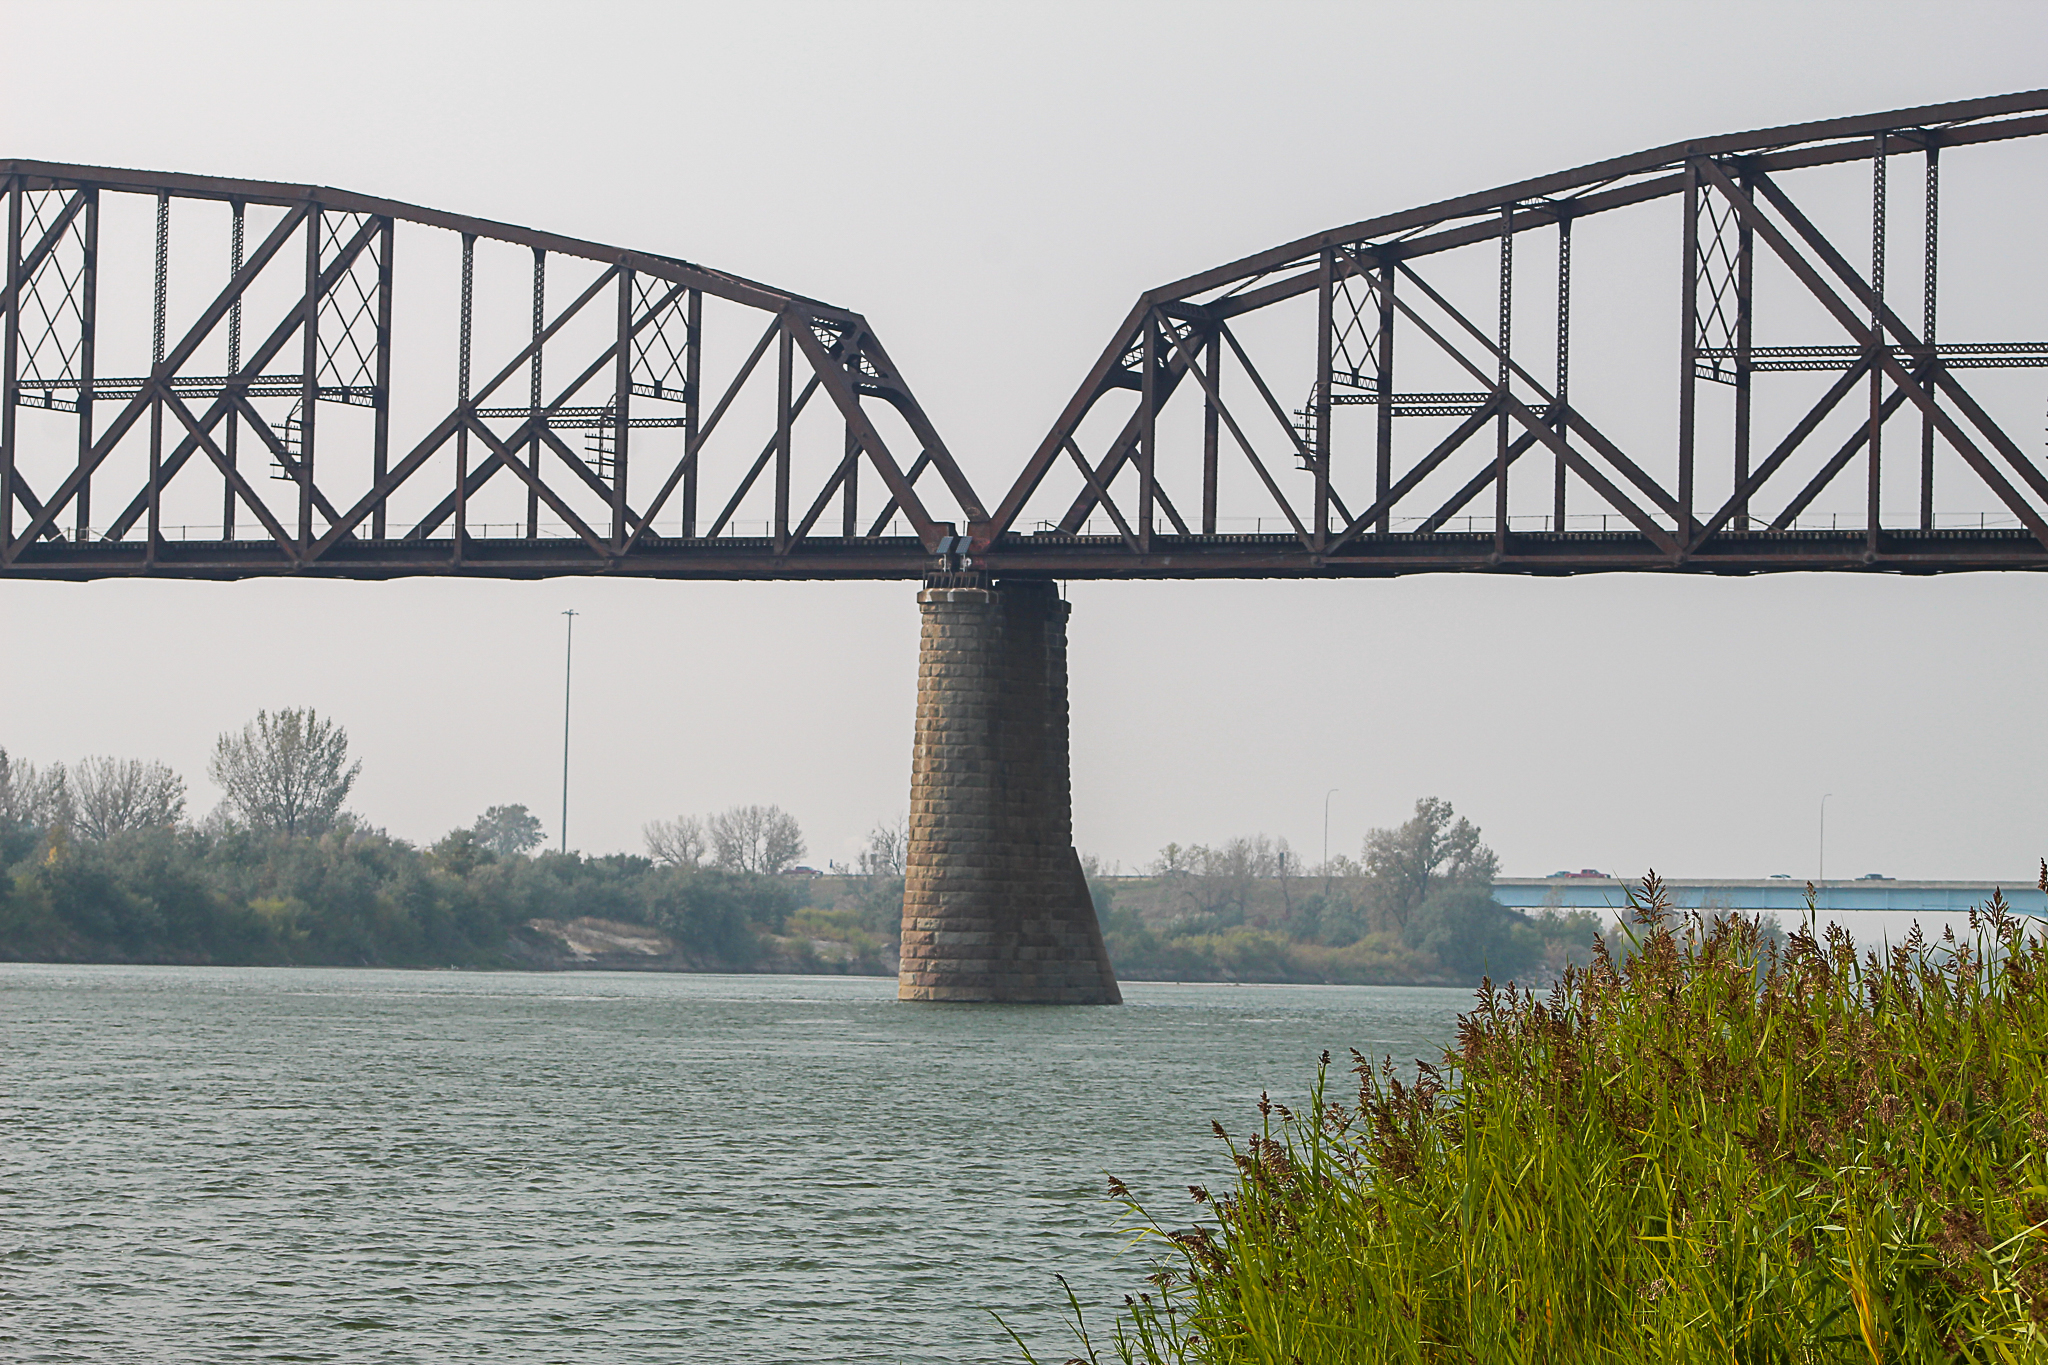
column 1773, row 893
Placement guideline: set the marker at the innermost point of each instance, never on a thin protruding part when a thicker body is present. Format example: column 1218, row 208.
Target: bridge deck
column 1772, row 893
column 1050, row 556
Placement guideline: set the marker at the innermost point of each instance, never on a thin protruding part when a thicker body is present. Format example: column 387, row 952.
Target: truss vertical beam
column 1211, row 429
column 693, row 363
column 163, row 264
column 1928, row 281
column 1383, row 434
column 850, row 452
column 849, row 504
column 1325, row 319
column 1503, row 373
column 1561, row 405
column 11, row 341
column 540, row 307
column 462, row 352
column 157, row 378
column 88, row 327
column 89, row 301
column 1688, row 347
column 1745, row 279
column 785, row 363
column 309, row 377
column 380, row 440
column 1873, row 513
column 1148, row 426
column 229, row 448
column 622, row 400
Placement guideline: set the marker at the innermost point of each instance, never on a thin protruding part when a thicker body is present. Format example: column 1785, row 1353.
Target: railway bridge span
column 209, row 378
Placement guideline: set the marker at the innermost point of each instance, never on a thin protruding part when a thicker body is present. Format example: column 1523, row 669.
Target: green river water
column 228, row 1164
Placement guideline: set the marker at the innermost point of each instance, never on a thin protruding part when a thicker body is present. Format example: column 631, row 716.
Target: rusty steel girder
column 674, row 448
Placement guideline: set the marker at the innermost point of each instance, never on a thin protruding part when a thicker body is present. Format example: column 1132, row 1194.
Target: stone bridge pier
column 995, row 907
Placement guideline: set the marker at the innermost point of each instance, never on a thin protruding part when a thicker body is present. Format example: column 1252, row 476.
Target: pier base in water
column 995, row 907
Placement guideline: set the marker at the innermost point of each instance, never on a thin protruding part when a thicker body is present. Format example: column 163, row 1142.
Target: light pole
column 568, row 662
column 1326, row 827
column 1824, row 845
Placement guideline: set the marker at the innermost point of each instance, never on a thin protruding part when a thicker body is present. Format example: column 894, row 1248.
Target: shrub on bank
column 1711, row 1150
column 349, row 897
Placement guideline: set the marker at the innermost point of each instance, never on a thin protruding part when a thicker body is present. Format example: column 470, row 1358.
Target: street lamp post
column 568, row 662
column 1824, row 845
column 1326, row 827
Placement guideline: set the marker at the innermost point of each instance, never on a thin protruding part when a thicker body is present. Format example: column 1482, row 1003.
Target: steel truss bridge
column 208, row 378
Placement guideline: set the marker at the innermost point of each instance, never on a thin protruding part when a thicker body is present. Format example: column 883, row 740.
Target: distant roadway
column 1580, row 892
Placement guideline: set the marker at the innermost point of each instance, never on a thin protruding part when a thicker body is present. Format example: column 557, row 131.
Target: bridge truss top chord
column 656, row 436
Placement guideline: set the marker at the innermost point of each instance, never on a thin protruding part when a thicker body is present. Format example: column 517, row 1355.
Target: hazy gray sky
column 992, row 186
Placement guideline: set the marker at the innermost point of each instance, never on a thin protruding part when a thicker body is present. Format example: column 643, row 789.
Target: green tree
column 289, row 772
column 1435, row 849
column 717, row 914
column 1472, row 935
column 506, row 830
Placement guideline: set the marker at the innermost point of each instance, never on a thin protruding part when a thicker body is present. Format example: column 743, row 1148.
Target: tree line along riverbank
column 356, row 896
column 100, row 861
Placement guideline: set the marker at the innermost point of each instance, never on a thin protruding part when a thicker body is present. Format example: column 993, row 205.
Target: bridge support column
column 995, row 906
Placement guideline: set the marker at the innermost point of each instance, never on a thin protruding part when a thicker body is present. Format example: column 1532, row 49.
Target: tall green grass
column 1707, row 1150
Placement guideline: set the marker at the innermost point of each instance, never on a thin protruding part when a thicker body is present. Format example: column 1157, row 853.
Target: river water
column 208, row 1164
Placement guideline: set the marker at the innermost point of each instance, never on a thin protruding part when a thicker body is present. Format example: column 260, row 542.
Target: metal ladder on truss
column 600, row 451
column 291, row 434
column 1305, row 428
column 601, row 447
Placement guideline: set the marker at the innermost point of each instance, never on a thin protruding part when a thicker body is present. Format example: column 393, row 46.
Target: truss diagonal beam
column 234, row 395
column 243, row 491
column 1850, row 449
column 1785, row 449
column 170, row 365
column 1764, row 228
column 842, row 394
column 1864, row 294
